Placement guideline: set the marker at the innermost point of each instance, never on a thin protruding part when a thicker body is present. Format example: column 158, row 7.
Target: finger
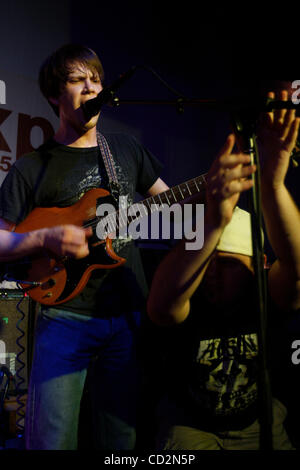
column 288, row 120
column 74, row 238
column 227, row 147
column 73, row 234
column 234, row 159
column 265, row 120
column 270, row 115
column 88, row 232
column 79, row 234
column 279, row 114
column 240, row 172
column 81, row 252
column 225, row 151
column 235, row 187
column 291, row 139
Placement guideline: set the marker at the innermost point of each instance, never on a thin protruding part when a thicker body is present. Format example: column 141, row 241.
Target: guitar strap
column 109, row 165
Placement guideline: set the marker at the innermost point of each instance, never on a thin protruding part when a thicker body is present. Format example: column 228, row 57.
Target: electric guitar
column 52, row 281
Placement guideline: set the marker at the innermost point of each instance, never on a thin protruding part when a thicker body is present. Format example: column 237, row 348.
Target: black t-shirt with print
column 211, row 369
column 58, row 175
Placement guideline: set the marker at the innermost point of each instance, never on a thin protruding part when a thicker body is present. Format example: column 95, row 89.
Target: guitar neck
column 122, row 218
column 176, row 194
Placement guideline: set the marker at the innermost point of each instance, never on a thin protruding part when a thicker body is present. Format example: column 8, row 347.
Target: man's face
column 82, row 84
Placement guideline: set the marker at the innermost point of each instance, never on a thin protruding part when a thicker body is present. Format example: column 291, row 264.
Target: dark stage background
column 201, row 50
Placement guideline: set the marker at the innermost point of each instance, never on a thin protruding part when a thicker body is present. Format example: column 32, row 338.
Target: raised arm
column 277, row 138
column 181, row 271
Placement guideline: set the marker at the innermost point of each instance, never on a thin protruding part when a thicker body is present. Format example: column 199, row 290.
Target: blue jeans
column 65, row 343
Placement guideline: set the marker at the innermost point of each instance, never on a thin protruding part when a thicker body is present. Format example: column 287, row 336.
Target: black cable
column 4, row 371
column 171, row 89
column 20, row 412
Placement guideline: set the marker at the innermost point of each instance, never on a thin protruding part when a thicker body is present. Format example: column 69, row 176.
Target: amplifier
column 17, row 320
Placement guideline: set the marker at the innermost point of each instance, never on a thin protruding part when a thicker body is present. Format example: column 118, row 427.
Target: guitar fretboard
column 121, row 218
column 176, row 194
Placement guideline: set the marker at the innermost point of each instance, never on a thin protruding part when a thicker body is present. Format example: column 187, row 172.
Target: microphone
column 92, row 107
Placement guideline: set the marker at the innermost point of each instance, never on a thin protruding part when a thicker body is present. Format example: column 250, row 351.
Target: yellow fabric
column 237, row 235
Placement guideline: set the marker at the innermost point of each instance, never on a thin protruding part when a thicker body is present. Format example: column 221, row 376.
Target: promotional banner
column 26, row 119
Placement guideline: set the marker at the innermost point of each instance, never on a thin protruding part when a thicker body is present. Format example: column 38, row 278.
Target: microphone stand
column 227, row 105
column 244, row 123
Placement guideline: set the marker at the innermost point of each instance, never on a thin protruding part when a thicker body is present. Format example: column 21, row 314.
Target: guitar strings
column 114, row 220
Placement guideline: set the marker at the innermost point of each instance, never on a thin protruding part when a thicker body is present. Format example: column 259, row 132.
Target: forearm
column 58, row 241
column 16, row 245
column 178, row 277
column 182, row 270
column 282, row 221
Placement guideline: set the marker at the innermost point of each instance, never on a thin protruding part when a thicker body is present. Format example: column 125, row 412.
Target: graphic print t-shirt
column 225, row 378
column 213, row 368
column 58, row 175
